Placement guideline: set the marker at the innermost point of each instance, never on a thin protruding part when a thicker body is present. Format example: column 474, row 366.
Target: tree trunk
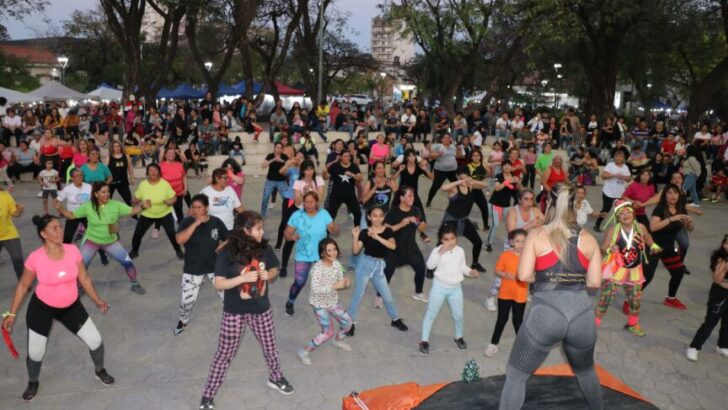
column 704, row 92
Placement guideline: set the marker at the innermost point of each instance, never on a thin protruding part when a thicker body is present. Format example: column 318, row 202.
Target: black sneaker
column 180, row 255
column 289, row 309
column 133, row 254
column 180, row 328
column 461, row 344
column 428, row 205
column 277, row 247
column 283, row 273
column 477, row 266
column 30, row 391
column 597, row 228
column 281, row 385
column 350, row 333
column 488, row 248
column 429, row 273
column 104, row 377
column 104, row 260
column 399, row 324
column 425, row 348
column 206, row 404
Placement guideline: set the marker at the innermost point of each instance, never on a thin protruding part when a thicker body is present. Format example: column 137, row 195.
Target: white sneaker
column 420, row 296
column 692, row 354
column 491, row 350
column 40, row 194
column 271, row 205
column 342, row 345
column 490, row 304
column 378, row 302
column 303, row 356
column 722, row 351
column 694, row 205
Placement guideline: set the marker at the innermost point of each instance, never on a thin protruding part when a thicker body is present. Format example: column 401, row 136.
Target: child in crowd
column 4, row 164
column 513, row 293
column 48, row 180
column 236, row 150
column 448, row 262
column 327, row 278
column 717, row 186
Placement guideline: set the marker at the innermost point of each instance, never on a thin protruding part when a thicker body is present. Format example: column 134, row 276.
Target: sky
column 361, row 13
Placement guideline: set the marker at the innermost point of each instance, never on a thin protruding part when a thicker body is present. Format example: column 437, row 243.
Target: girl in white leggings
column 59, row 268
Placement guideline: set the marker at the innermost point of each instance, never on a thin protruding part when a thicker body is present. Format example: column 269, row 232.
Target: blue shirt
column 311, row 230
column 99, row 175
column 292, row 175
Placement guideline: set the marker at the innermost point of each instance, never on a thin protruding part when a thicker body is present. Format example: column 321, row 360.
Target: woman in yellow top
column 158, row 198
column 9, row 238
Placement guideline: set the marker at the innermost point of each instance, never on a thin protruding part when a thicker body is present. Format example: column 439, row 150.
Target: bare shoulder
column 587, row 243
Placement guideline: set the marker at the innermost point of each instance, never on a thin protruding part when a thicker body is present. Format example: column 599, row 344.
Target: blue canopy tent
column 187, row 92
column 224, row 89
column 660, row 105
column 240, row 87
column 165, row 93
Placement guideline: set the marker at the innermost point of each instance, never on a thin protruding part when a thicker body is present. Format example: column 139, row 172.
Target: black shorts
column 50, row 193
column 40, row 316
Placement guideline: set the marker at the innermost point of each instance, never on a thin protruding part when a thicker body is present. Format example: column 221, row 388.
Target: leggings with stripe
column 326, row 317
column 40, row 317
column 115, row 250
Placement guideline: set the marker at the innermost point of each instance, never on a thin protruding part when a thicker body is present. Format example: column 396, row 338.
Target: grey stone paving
column 156, row 370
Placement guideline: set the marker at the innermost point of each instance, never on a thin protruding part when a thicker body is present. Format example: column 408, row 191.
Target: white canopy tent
column 16, row 96
column 105, row 93
column 55, row 91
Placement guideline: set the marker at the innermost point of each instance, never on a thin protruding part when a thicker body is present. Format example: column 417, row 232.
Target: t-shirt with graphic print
column 342, row 184
column 200, row 255
column 249, row 297
column 223, row 204
column 311, row 230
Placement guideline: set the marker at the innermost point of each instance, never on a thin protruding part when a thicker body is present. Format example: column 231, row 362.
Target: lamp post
column 384, row 84
column 63, row 61
column 557, row 68
column 544, row 83
column 322, row 25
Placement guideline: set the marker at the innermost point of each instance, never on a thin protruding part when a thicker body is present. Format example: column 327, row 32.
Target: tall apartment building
column 389, row 47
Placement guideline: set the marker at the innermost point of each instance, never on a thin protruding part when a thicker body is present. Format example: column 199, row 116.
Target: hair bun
column 37, row 220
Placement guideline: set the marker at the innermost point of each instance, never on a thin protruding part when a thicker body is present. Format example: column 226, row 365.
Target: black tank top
column 460, row 204
column 382, row 197
column 410, row 180
column 119, row 170
column 553, row 274
column 632, row 256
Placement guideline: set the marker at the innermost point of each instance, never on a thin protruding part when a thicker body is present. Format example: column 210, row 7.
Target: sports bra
column 554, row 274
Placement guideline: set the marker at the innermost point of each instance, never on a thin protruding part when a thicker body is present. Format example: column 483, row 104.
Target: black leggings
column 419, row 268
column 470, row 232
column 418, row 203
column 607, row 203
column 650, row 265
column 482, row 203
column 143, row 224
column 504, row 307
column 123, row 190
column 352, row 205
column 529, row 176
column 178, row 206
column 286, row 212
column 717, row 312
column 440, row 177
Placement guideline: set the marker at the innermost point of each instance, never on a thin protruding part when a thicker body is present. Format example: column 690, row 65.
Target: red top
column 174, row 172
column 550, row 259
column 555, row 176
column 517, row 172
column 668, row 146
column 638, row 192
column 48, row 149
column 65, row 152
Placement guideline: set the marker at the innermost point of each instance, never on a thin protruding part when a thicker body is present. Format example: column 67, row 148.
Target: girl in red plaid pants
column 243, row 270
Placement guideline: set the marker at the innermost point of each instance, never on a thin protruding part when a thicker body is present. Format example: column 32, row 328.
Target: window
column 396, row 60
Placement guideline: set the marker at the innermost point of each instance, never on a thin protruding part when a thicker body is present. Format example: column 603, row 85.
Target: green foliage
column 16, row 10
column 16, row 75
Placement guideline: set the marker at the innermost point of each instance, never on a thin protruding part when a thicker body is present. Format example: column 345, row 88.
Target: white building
column 388, row 46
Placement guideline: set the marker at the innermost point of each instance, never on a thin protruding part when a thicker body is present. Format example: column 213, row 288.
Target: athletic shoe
column 350, row 333
column 271, row 205
column 289, row 309
column 490, row 304
column 425, row 348
column 597, row 228
column 460, row 343
column 692, row 354
column 424, row 237
column 40, row 195
column 488, row 248
column 104, row 260
column 674, row 303
column 491, row 350
column 420, row 296
column 180, row 254
column 283, row 273
column 206, row 404
column 399, row 324
column 429, row 273
column 378, row 302
column 30, row 391
column 477, row 266
column 137, row 288
column 104, row 377
column 281, row 385
column 714, row 201
column 625, row 307
column 278, row 247
column 180, row 328
column 706, row 199
column 722, row 351
column 155, row 233
column 304, row 357
column 133, row 254
column 635, row 330
column 342, row 345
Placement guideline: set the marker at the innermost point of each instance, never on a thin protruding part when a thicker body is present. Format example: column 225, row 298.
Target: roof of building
column 34, row 55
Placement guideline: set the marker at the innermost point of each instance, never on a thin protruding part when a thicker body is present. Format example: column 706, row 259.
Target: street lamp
column 649, row 85
column 384, row 85
column 63, row 61
column 208, row 65
column 557, row 66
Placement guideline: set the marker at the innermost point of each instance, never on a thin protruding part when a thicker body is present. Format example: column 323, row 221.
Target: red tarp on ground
column 286, row 90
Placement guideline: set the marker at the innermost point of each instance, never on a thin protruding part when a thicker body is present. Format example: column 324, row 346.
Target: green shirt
column 157, row 194
column 97, row 228
column 544, row 161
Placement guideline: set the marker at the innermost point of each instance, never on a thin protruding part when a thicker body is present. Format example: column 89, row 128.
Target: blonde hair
column 560, row 221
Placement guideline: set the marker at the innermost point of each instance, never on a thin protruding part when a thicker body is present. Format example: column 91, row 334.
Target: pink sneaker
column 155, row 233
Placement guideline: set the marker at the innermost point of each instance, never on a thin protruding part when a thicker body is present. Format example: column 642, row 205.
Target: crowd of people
column 520, row 180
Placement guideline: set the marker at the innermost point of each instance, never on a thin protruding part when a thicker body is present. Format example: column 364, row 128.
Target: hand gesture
column 249, row 275
column 147, row 203
column 355, row 232
column 264, row 274
column 103, row 306
column 8, row 323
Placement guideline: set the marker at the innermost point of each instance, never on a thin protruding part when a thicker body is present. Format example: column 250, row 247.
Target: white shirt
column 75, row 196
column 614, row 187
column 501, row 124
column 408, row 120
column 450, row 267
column 477, row 139
column 517, row 124
column 9, row 122
column 702, row 136
column 582, row 214
column 34, row 144
column 222, row 204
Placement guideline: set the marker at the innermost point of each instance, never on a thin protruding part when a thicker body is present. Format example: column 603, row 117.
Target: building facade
column 388, row 46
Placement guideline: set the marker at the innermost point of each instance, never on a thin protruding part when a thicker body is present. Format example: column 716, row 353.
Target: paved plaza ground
column 154, row 369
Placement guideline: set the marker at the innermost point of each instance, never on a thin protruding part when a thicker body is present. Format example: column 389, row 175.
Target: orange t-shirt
column 511, row 289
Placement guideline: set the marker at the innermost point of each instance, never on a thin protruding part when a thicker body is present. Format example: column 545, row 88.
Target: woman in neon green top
column 9, row 238
column 102, row 224
column 543, row 162
column 158, row 197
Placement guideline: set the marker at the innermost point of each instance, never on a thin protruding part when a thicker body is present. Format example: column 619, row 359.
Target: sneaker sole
column 274, row 387
column 102, row 382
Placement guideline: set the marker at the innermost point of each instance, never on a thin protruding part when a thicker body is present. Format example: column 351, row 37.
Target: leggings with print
column 633, row 291
column 190, row 291
column 325, row 317
column 301, row 270
column 115, row 250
